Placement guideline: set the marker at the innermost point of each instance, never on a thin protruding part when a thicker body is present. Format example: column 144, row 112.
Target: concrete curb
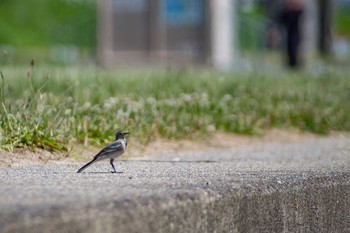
column 263, row 202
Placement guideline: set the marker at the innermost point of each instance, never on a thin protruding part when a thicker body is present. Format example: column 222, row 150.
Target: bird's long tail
column 86, row 165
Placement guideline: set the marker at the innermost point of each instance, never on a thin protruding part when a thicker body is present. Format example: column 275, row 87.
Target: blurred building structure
column 164, row 32
column 198, row 32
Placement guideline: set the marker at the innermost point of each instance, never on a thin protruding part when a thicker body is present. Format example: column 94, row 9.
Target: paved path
column 273, row 187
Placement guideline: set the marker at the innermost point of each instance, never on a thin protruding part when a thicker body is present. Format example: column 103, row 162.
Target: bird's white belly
column 117, row 153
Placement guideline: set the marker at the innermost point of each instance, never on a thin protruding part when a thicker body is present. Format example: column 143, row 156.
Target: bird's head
column 120, row 135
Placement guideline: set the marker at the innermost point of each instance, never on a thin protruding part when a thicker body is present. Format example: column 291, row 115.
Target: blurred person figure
column 290, row 18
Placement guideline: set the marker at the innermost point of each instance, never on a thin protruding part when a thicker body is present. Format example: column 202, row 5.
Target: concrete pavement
column 300, row 187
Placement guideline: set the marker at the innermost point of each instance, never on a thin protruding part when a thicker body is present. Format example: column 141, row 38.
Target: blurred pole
column 155, row 29
column 325, row 18
column 223, row 27
column 310, row 30
column 105, row 32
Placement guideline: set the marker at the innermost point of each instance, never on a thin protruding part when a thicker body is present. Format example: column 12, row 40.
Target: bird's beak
column 125, row 133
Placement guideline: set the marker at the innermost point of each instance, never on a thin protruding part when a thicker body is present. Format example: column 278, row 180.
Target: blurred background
column 229, row 35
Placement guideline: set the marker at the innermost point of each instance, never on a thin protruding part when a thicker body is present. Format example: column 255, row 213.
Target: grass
column 41, row 24
column 50, row 107
column 41, row 29
column 342, row 20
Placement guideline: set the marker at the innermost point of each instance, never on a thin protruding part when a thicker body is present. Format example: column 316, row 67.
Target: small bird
column 112, row 151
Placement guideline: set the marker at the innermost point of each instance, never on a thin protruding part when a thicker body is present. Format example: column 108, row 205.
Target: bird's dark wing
column 113, row 147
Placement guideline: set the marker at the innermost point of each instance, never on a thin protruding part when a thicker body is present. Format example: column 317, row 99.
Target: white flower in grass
column 227, row 98
column 151, row 100
column 133, row 106
column 87, row 105
column 169, row 102
column 110, row 103
column 121, row 114
column 107, row 106
column 186, row 97
column 67, row 111
column 113, row 100
column 70, row 99
column 40, row 107
column 204, row 100
column 211, row 128
column 43, row 97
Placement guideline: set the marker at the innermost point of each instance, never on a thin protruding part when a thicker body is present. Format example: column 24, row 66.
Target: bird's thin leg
column 111, row 162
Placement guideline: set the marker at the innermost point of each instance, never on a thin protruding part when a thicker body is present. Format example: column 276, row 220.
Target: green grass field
column 53, row 108
column 41, row 29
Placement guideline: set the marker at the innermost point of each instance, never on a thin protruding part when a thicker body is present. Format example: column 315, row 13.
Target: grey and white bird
column 112, row 151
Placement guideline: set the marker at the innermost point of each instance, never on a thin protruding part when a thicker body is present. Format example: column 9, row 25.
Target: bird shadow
column 103, row 172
